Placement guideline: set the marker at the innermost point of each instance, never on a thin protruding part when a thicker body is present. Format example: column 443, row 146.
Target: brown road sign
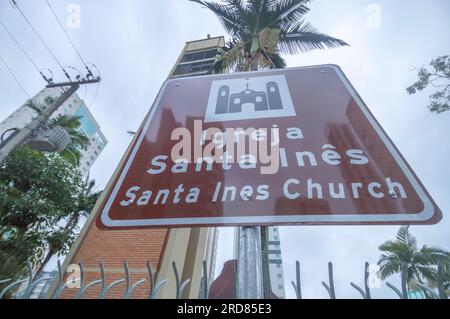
column 321, row 157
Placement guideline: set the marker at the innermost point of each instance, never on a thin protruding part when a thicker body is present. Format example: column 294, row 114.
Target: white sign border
column 425, row 215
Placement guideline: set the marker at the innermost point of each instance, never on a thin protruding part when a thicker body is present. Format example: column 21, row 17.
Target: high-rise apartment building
column 275, row 262
column 198, row 57
column 74, row 106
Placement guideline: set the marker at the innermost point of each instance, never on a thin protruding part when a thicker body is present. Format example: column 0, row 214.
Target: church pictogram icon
column 249, row 98
column 257, row 100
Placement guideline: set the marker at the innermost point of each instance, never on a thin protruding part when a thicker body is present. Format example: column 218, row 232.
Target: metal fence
column 32, row 282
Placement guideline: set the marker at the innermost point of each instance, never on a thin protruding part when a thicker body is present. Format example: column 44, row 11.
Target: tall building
column 74, row 106
column 197, row 57
column 186, row 247
column 275, row 263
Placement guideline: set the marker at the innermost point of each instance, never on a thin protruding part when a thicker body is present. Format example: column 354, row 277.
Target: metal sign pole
column 250, row 284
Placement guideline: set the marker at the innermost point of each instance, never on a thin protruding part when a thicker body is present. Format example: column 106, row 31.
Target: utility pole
column 20, row 137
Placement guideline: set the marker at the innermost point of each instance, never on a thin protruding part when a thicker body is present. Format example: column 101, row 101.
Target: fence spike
column 18, row 282
column 83, row 289
column 360, row 290
column 205, row 281
column 180, row 287
column 61, row 285
column 153, row 289
column 133, row 287
column 26, row 294
column 330, row 288
column 398, row 292
column 364, row 293
column 297, row 285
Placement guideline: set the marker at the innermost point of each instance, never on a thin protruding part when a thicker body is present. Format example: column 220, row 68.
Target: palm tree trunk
column 254, row 63
column 427, row 296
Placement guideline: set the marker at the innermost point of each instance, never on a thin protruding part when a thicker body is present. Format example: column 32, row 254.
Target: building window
column 199, row 55
column 280, row 286
column 278, row 266
column 275, row 237
column 194, row 67
column 278, row 275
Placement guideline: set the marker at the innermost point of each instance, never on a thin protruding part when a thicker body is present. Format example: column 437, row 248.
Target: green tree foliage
column 403, row 252
column 439, row 78
column 37, row 192
column 262, row 30
column 42, row 199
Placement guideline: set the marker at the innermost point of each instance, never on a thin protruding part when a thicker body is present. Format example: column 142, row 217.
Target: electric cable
column 14, row 76
column 14, row 2
column 24, row 52
column 68, row 37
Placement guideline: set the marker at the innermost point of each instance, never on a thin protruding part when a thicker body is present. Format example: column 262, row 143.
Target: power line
column 24, row 52
column 20, row 47
column 14, row 76
column 68, row 37
column 40, row 38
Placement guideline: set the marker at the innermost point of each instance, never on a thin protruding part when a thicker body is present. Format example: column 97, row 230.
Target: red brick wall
column 113, row 248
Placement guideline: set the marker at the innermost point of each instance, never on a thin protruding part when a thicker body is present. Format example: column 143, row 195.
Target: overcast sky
column 135, row 44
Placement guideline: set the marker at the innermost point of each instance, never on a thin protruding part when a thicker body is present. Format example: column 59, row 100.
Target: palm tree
column 262, row 30
column 78, row 140
column 403, row 254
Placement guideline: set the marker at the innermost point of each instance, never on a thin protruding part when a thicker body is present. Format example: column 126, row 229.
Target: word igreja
column 230, row 146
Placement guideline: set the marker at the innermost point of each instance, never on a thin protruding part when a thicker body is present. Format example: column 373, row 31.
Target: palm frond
column 232, row 55
column 246, row 21
column 228, row 16
column 401, row 250
column 403, row 233
column 71, row 155
column 388, row 269
column 284, row 13
column 303, row 37
column 32, row 105
column 406, row 237
column 433, row 255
